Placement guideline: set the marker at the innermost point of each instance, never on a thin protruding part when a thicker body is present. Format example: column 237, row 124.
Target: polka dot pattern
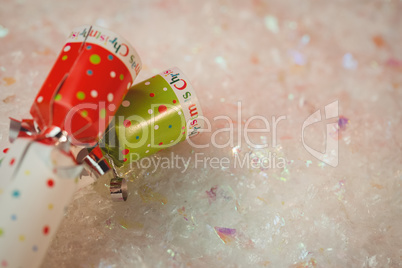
column 43, row 188
column 156, row 102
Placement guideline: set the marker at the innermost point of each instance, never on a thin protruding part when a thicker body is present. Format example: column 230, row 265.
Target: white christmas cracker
column 78, row 99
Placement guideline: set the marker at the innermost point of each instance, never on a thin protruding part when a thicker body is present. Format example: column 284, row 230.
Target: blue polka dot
column 90, row 72
column 170, row 126
column 110, row 57
column 14, row 217
column 137, row 137
column 16, row 193
column 89, row 47
column 35, row 248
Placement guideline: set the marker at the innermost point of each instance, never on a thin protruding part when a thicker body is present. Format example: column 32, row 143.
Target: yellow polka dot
column 80, row 95
column 50, row 206
column 21, row 238
column 58, row 97
column 95, row 59
column 64, row 57
column 102, row 113
column 1, row 232
column 27, row 172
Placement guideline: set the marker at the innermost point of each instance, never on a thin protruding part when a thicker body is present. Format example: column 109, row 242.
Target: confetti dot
column 121, row 77
column 128, row 85
column 147, row 83
column 164, row 89
column 58, row 97
column 182, row 127
column 125, row 151
column 172, row 141
column 16, row 193
column 95, row 59
column 125, row 160
column 39, row 99
column 127, row 123
column 148, row 145
column 1, row 232
column 12, row 161
column 84, row 113
column 27, row 172
column 125, row 103
column 90, row 72
column 112, row 74
column 46, row 230
column 150, row 111
column 80, row 95
column 35, row 248
column 160, row 143
column 64, row 57
column 110, row 57
column 4, row 263
column 1, row 191
column 50, row 183
column 13, row 217
column 94, row 93
column 174, row 101
column 110, row 97
column 111, row 107
column 66, row 48
column 184, row 133
column 137, row 137
column 89, row 47
column 179, row 112
column 152, row 95
column 50, row 206
column 147, row 151
column 6, row 150
column 102, row 113
column 156, row 127
column 170, row 126
column 162, row 109
column 21, row 238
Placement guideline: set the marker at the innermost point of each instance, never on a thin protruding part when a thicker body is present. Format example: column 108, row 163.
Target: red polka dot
column 125, row 160
column 184, row 133
column 182, row 127
column 127, row 123
column 162, row 108
column 5, row 150
column 50, row 183
column 152, row 94
column 125, row 151
column 174, row 101
column 12, row 161
column 4, row 263
column 46, row 230
column 161, row 143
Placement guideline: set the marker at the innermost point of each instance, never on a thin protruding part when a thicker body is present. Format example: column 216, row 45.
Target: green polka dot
column 64, row 57
column 121, row 77
column 80, row 95
column 102, row 113
column 94, row 59
column 58, row 97
column 1, row 232
column 84, row 113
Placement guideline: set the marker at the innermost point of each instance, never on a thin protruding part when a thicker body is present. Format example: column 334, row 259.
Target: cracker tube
column 88, row 81
column 156, row 113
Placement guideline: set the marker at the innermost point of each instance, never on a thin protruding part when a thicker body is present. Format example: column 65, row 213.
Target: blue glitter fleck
column 110, row 57
column 90, row 72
